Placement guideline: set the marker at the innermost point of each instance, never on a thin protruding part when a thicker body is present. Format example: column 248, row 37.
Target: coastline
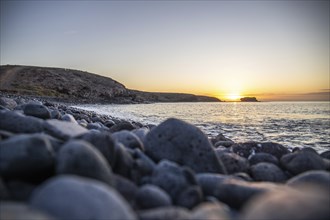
column 195, row 178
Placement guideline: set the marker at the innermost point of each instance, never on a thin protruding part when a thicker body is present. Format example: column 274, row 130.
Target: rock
column 234, row 163
column 109, row 123
column 243, row 176
column 126, row 188
column 302, row 161
column 220, row 137
column 151, row 196
column 83, row 123
column 8, row 103
column 19, row 190
column 103, row 142
column 80, row 198
column 209, row 182
column 317, row 177
column 97, row 119
column 124, row 161
column 80, row 158
column 36, row 110
column 94, row 126
column 55, row 114
column 63, row 130
column 4, row 192
column 69, row 118
column 182, row 143
column 128, row 139
column 267, row 172
column 303, row 204
column 223, row 143
column 190, row 197
column 231, row 191
column 141, row 133
column 263, row 157
column 249, row 148
column 210, row 211
column 172, row 178
column 21, row 211
column 142, row 165
column 125, row 125
column 26, row 156
column 165, row 213
column 17, row 123
column 326, row 154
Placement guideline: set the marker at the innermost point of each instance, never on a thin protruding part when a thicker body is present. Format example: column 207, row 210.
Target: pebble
column 303, row 204
column 128, row 139
column 62, row 129
column 165, row 213
column 182, row 143
column 37, row 110
column 301, row 161
column 8, row 103
column 210, row 211
column 263, row 157
column 68, row 118
column 316, row 177
column 249, row 148
column 151, row 196
column 190, row 197
column 21, row 211
column 126, row 188
column 172, row 178
column 26, row 156
column 18, row 123
column 122, row 126
column 234, row 163
column 124, row 161
column 73, row 197
column 325, row 154
column 103, row 142
column 267, row 172
column 81, row 158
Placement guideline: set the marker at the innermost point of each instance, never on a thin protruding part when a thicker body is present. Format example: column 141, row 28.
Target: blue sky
column 216, row 48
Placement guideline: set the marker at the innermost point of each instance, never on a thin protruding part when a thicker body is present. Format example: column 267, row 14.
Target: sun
column 233, row 96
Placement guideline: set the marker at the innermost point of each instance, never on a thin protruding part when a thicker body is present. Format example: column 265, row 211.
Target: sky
column 274, row 50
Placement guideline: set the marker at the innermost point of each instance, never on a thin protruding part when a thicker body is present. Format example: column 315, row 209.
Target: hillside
column 80, row 86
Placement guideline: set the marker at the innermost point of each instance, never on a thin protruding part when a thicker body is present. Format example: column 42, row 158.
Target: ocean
column 292, row 124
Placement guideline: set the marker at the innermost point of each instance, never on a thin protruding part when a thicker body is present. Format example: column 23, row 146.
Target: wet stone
column 263, row 157
column 234, row 163
column 267, row 172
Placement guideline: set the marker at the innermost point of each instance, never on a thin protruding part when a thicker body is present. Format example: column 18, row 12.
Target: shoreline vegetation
column 59, row 162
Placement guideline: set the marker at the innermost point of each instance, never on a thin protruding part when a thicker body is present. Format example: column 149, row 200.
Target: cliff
column 80, row 86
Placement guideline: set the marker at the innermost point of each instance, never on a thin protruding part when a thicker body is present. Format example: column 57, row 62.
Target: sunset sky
column 274, row 50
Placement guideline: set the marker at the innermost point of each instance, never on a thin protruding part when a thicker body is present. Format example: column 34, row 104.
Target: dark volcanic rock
column 263, row 157
column 17, row 123
column 267, row 172
column 39, row 111
column 302, row 161
column 124, row 161
column 182, row 143
column 248, row 148
column 150, row 196
column 21, row 211
column 325, row 154
column 103, row 142
column 302, row 204
column 19, row 190
column 26, row 156
column 316, row 177
column 234, row 163
column 128, row 139
column 125, row 187
column 72, row 197
column 81, row 158
column 62, row 129
column 190, row 197
column 165, row 213
column 210, row 211
column 69, row 118
column 125, row 125
column 172, row 178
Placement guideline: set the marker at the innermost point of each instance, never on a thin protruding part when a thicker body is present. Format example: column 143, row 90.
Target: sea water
column 293, row 124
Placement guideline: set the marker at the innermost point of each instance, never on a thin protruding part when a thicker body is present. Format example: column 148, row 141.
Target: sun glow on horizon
column 233, row 96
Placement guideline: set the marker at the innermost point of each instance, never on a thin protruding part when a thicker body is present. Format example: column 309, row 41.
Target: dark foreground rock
column 182, row 143
column 72, row 197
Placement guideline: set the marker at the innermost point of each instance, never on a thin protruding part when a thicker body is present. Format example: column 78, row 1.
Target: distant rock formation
column 249, row 99
column 80, row 86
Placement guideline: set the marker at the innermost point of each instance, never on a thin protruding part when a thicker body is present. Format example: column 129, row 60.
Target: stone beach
column 60, row 162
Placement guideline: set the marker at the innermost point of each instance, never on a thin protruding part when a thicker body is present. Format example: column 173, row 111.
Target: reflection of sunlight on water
column 289, row 123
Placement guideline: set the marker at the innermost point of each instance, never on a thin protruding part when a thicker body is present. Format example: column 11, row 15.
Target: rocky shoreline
column 59, row 162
